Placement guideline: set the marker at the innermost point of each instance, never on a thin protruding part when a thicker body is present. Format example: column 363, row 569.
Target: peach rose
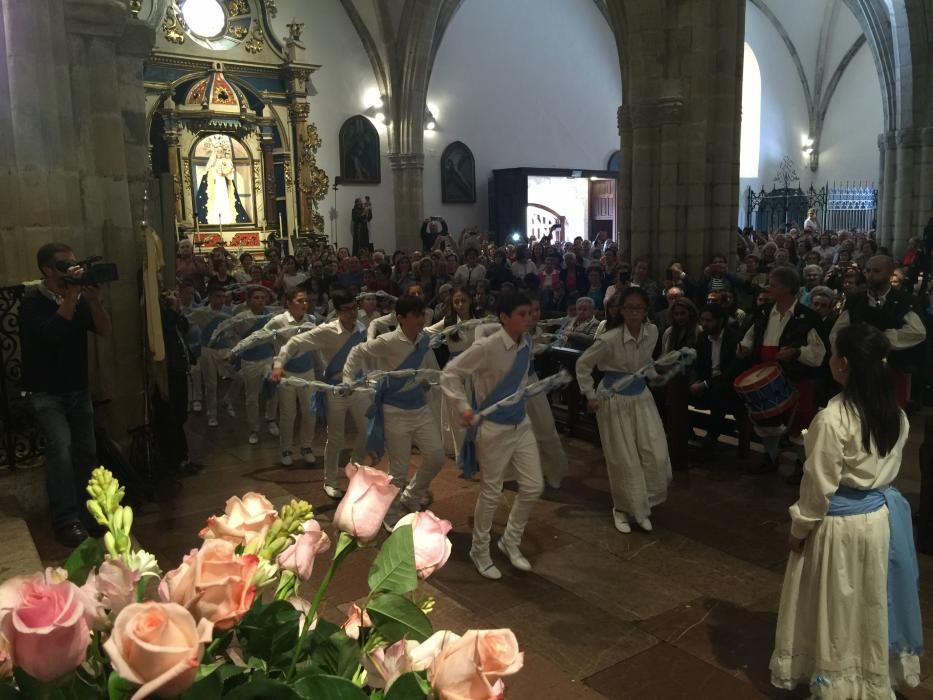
column 361, row 511
column 471, row 668
column 158, row 646
column 385, row 664
column 44, row 626
column 244, row 520
column 300, row 554
column 357, row 618
column 213, row 583
column 432, row 548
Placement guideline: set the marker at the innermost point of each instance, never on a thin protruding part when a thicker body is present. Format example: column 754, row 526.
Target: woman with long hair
column 629, row 425
column 427, row 281
column 460, row 310
column 674, row 396
column 402, row 273
column 849, row 621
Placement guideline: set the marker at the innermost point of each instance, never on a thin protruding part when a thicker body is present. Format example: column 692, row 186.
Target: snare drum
column 770, row 398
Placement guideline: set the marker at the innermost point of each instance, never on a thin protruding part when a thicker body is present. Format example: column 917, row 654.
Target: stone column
column 623, row 230
column 671, row 219
column 888, row 190
column 175, row 172
column 904, row 205
column 408, row 173
column 643, row 213
column 925, row 191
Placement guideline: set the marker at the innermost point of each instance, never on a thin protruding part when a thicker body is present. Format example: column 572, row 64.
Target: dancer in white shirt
column 498, row 366
column 401, row 414
column 630, row 428
column 333, row 340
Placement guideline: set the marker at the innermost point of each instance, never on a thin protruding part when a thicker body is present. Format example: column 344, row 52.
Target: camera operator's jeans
column 67, row 422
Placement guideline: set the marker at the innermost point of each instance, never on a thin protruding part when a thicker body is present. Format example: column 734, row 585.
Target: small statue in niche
column 361, row 216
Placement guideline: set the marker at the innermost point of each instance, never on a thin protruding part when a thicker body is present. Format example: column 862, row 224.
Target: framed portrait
column 458, row 174
column 360, row 160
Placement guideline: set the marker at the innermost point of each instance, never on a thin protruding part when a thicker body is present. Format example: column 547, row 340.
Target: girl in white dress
column 629, row 425
column 849, row 622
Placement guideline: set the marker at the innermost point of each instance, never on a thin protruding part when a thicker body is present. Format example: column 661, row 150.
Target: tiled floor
column 687, row 611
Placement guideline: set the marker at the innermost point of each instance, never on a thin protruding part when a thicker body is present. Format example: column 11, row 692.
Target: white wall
column 522, row 83
column 342, row 80
column 848, row 149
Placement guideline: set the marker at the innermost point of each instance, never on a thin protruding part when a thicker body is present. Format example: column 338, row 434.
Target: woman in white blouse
column 630, row 428
column 849, row 622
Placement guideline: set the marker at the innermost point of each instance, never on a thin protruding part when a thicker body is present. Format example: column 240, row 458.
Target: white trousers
column 402, row 429
column 553, row 458
column 337, row 409
column 252, row 374
column 504, row 450
column 194, row 382
column 210, row 362
column 295, row 402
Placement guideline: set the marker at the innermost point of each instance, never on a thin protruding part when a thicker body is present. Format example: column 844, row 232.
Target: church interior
column 691, row 151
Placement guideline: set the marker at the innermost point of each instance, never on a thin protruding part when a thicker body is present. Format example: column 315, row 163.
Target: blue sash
column 905, row 632
column 211, row 326
column 258, row 353
column 390, row 391
column 333, row 373
column 633, row 389
column 512, row 414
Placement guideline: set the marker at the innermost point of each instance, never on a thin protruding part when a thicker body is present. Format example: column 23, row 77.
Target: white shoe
column 286, row 458
column 231, row 411
column 212, row 422
column 620, row 521
column 645, row 524
column 197, row 407
column 273, row 428
column 553, row 484
column 308, row 456
column 484, row 565
column 333, row 492
column 516, row 558
column 254, row 438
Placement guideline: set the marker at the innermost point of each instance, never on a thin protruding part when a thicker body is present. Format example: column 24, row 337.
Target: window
column 205, row 18
column 751, row 116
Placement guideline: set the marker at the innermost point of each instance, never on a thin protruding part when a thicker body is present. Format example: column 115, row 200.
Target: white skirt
column 635, row 447
column 832, row 629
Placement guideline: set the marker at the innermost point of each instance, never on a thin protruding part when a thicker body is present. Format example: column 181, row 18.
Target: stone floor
column 687, row 611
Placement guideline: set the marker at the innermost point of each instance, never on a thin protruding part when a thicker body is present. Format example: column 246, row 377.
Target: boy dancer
column 213, row 350
column 498, row 366
column 295, row 400
column 333, row 340
column 400, row 414
column 255, row 362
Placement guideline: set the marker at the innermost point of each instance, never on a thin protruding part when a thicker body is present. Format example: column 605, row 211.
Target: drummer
column 786, row 332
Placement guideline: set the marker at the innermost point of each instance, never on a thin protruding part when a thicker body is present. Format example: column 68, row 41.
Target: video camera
column 95, row 271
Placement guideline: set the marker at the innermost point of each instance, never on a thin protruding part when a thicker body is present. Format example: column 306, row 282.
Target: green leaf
column 209, row 687
column 262, row 689
column 328, row 688
column 338, row 655
column 270, row 632
column 85, row 557
column 393, row 570
column 119, row 688
column 410, row 686
column 395, row 618
column 9, row 693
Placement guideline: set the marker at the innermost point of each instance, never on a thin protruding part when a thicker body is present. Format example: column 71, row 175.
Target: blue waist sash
column 633, row 389
column 301, row 364
column 905, row 632
column 258, row 353
column 511, row 414
column 333, row 373
column 392, row 391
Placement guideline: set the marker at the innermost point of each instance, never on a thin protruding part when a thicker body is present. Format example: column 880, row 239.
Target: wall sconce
column 377, row 110
column 430, row 123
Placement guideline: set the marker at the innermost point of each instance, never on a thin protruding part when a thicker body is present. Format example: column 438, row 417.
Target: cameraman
column 54, row 319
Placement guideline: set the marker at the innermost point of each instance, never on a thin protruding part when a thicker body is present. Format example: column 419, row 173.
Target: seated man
column 714, row 371
column 580, row 332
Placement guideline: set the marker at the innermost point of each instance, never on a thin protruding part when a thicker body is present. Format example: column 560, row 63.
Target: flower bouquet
column 230, row 622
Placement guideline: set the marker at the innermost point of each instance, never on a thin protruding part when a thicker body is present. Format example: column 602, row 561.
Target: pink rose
column 300, row 554
column 244, row 520
column 44, row 625
column 112, row 588
column 302, row 605
column 423, row 655
column 432, row 548
column 471, row 667
column 213, row 583
column 357, row 618
column 158, row 646
column 364, row 507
